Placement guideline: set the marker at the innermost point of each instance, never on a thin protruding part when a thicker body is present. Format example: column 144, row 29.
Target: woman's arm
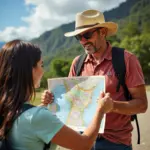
column 71, row 139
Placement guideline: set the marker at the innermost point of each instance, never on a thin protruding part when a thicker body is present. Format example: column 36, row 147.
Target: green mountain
column 54, row 40
column 120, row 12
column 54, row 43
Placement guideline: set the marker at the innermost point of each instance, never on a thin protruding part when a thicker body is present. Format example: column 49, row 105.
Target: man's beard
column 90, row 48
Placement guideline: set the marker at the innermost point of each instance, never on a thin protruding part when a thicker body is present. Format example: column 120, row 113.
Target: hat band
column 86, row 26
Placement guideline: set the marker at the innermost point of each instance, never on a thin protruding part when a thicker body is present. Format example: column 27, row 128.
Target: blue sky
column 10, row 13
column 27, row 19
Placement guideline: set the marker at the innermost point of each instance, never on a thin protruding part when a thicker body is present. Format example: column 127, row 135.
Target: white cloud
column 48, row 14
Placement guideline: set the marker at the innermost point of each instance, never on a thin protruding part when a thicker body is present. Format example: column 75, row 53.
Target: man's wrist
column 115, row 109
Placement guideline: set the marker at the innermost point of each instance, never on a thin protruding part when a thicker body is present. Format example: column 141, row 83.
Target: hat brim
column 111, row 26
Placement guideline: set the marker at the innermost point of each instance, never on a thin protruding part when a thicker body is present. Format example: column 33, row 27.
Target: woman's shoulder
column 39, row 114
column 38, row 109
column 41, row 111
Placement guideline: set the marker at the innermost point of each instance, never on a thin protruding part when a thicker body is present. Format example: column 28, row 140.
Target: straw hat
column 90, row 19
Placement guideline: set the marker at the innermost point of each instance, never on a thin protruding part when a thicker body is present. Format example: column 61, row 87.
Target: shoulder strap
column 26, row 107
column 119, row 66
column 23, row 109
column 79, row 64
column 120, row 69
column 4, row 144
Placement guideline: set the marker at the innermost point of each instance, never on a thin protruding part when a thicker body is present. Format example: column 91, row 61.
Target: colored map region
column 75, row 100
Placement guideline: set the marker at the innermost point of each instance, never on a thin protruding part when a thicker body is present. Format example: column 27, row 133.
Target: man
column 91, row 31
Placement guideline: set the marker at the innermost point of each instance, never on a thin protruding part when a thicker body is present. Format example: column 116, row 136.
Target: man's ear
column 104, row 31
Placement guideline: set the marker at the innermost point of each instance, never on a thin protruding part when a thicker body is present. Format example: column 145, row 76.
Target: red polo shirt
column 118, row 127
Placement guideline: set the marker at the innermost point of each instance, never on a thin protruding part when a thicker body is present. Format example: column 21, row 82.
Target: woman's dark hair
column 17, row 59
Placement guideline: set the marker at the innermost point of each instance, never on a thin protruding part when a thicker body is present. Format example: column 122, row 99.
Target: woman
column 21, row 69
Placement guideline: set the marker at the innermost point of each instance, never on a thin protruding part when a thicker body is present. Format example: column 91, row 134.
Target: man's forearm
column 131, row 107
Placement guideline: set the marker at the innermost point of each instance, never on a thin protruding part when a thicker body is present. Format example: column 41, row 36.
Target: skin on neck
column 100, row 52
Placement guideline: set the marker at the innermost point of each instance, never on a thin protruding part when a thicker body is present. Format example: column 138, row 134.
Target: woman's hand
column 105, row 102
column 47, row 97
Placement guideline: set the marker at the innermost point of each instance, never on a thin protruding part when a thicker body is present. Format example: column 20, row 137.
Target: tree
column 140, row 46
column 131, row 29
column 59, row 67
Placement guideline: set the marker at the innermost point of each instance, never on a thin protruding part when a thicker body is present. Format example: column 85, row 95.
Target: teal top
column 33, row 128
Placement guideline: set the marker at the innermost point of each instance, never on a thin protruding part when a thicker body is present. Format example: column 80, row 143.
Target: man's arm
column 136, row 86
column 138, row 104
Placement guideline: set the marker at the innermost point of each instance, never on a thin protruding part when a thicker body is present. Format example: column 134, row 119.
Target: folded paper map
column 75, row 100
